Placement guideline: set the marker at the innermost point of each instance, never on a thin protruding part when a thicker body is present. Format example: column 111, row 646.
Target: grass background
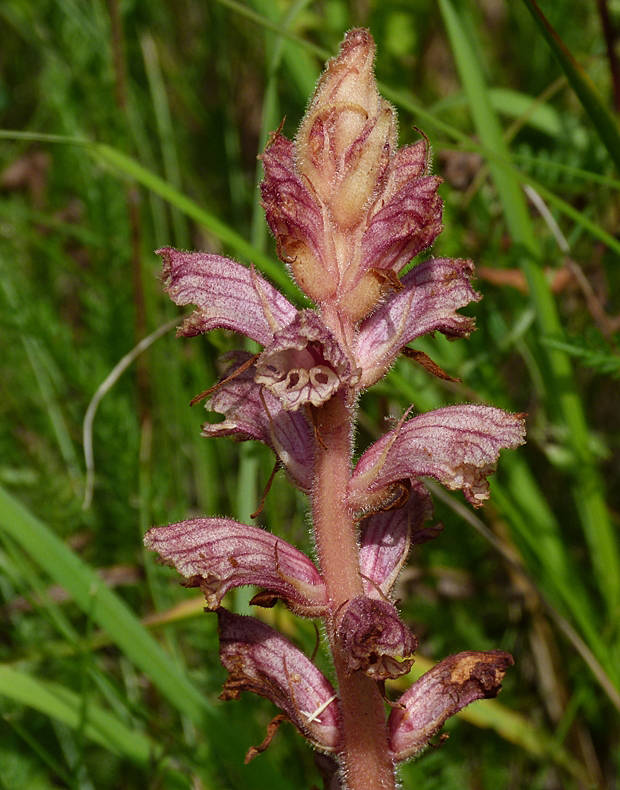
column 130, row 125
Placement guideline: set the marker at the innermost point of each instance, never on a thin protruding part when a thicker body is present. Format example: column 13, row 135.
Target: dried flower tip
column 440, row 693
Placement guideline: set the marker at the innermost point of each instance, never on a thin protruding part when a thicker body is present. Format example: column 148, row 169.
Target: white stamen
column 310, row 717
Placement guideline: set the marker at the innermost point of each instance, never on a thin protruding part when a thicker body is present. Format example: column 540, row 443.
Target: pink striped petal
column 432, row 292
column 440, row 693
column 218, row 554
column 458, row 445
column 296, row 220
column 406, row 218
column 227, row 295
column 259, row 659
column 385, row 539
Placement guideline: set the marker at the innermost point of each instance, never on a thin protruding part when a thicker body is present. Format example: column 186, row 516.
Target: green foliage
column 605, row 362
column 127, row 126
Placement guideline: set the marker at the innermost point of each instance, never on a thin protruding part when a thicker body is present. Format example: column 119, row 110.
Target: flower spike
column 349, row 211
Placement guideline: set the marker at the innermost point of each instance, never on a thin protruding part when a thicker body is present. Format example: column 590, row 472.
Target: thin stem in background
column 133, row 209
column 610, row 42
column 105, row 386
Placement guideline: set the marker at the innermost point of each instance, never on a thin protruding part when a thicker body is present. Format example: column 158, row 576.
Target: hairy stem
column 365, row 753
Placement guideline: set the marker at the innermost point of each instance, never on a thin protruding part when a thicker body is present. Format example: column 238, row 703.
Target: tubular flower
column 440, row 693
column 457, row 445
column 218, row 554
column 258, row 659
column 348, row 210
column 375, row 640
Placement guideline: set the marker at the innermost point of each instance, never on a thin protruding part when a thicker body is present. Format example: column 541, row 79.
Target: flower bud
column 346, row 138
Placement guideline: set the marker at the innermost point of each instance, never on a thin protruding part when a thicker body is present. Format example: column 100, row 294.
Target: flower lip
column 304, row 364
column 227, row 295
column 219, row 554
column 457, row 445
column 428, row 301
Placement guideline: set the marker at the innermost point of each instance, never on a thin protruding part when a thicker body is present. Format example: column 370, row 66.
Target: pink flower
column 387, row 536
column 374, row 638
column 457, row 445
column 259, row 659
column 219, row 554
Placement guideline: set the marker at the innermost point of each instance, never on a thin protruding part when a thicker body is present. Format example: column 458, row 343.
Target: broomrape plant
column 348, row 209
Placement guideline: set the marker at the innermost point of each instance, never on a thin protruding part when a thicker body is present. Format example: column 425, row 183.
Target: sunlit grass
column 140, row 125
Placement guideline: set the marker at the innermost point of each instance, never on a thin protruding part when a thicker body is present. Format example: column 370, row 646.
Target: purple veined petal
column 457, row 445
column 432, row 293
column 304, row 364
column 405, row 225
column 218, row 554
column 440, row 693
column 227, row 295
column 252, row 412
column 408, row 164
column 259, row 659
column 374, row 639
column 296, row 220
column 385, row 539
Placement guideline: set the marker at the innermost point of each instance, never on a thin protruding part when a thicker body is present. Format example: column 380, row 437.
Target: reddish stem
column 365, row 753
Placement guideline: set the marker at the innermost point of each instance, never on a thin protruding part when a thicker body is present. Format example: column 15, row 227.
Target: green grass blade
column 267, row 24
column 105, row 608
column 588, row 489
column 604, row 122
column 128, row 166
column 165, row 129
column 110, row 613
column 63, row 704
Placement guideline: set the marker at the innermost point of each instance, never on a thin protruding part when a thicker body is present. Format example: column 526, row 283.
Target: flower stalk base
column 365, row 753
